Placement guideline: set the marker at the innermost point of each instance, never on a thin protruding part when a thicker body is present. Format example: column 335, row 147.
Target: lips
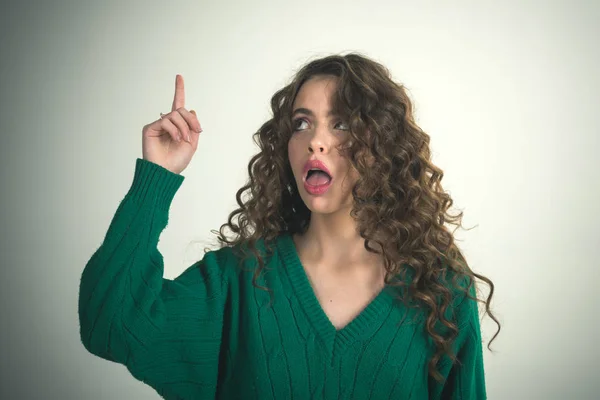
column 316, row 189
column 315, row 164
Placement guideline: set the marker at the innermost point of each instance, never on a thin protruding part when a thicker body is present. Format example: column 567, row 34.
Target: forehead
column 316, row 92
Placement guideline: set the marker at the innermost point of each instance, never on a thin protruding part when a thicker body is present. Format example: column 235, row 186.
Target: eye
column 299, row 121
column 295, row 124
column 346, row 126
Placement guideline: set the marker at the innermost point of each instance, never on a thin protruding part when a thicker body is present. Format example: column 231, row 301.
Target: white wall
column 508, row 91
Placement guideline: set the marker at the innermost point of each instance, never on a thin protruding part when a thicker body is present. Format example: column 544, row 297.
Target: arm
column 166, row 332
column 465, row 379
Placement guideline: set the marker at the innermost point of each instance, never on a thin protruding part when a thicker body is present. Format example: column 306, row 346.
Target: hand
column 172, row 141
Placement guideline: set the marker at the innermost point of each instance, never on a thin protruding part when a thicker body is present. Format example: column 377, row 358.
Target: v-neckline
column 363, row 325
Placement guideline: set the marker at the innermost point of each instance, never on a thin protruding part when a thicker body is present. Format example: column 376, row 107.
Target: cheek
column 291, row 151
column 353, row 176
column 350, row 177
column 293, row 154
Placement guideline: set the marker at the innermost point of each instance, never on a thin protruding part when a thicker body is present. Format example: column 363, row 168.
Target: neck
column 333, row 239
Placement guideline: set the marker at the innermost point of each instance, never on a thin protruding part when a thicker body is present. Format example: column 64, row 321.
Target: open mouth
column 317, row 177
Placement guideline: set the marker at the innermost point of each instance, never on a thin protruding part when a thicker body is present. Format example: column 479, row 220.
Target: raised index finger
column 179, row 99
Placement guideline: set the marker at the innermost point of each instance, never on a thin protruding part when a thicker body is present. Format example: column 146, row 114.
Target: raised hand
column 172, row 140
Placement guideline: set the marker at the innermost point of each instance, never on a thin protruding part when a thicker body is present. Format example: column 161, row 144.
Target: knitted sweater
column 210, row 334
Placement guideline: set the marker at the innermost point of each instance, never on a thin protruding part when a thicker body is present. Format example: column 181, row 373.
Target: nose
column 318, row 143
column 320, row 149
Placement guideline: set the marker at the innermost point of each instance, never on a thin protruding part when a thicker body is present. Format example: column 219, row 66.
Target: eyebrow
column 308, row 112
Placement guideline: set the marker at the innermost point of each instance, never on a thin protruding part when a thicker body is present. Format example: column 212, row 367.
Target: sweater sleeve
column 166, row 332
column 466, row 379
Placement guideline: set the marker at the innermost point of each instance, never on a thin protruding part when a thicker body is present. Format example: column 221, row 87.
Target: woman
column 341, row 279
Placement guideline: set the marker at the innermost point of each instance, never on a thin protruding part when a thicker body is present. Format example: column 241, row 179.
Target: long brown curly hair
column 399, row 203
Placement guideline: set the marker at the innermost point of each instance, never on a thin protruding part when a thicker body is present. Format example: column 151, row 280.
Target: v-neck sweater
column 211, row 334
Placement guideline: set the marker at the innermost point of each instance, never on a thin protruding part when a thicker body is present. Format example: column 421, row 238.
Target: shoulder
column 243, row 254
column 464, row 300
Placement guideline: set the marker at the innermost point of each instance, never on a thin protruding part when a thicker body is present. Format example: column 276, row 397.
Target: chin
column 321, row 204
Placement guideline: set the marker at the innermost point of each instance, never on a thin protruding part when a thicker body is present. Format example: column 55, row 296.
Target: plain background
column 508, row 91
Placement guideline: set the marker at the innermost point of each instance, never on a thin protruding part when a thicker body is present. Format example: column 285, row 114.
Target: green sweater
column 210, row 333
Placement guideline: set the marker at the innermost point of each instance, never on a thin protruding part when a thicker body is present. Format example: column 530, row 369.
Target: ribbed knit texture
column 210, row 333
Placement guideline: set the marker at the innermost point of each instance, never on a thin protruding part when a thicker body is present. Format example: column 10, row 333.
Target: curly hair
column 399, row 203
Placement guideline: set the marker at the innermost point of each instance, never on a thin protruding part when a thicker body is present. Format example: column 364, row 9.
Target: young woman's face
column 316, row 136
